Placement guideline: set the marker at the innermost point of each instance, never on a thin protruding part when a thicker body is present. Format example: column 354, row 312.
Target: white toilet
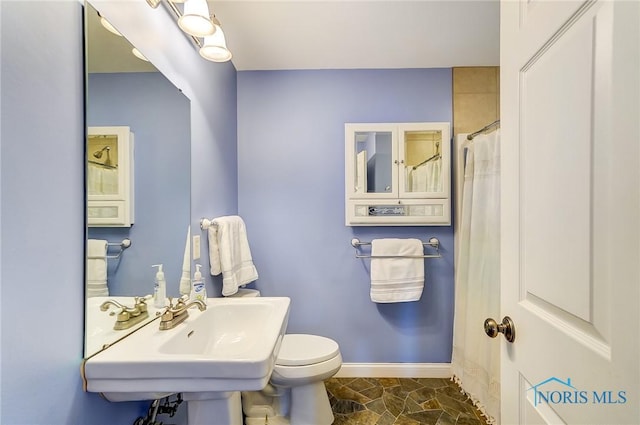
column 296, row 394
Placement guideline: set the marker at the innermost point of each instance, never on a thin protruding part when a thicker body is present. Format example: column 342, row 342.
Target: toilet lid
column 300, row 350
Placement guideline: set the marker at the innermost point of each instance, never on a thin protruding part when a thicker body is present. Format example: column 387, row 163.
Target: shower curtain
column 102, row 180
column 426, row 177
column 476, row 357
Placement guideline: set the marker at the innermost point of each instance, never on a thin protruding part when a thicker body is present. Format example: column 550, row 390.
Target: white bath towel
column 96, row 284
column 229, row 253
column 396, row 278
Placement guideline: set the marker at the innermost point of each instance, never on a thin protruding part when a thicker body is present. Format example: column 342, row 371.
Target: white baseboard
column 395, row 370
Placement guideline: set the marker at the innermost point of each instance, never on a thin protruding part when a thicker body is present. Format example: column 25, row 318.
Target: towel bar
column 206, row 223
column 433, row 243
column 126, row 243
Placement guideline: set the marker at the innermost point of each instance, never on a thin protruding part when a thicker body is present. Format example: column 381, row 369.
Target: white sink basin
column 231, row 346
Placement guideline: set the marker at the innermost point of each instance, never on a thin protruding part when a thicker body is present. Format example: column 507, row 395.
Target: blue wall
column 291, row 195
column 291, row 124
column 43, row 220
column 159, row 116
column 42, row 193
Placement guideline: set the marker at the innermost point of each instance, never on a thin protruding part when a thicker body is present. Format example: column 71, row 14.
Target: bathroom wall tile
column 473, row 111
column 475, row 80
column 476, row 98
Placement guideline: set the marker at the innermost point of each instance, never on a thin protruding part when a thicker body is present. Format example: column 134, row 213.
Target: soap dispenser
column 198, row 291
column 159, row 288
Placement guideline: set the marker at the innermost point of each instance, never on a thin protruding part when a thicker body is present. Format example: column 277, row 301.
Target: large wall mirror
column 124, row 91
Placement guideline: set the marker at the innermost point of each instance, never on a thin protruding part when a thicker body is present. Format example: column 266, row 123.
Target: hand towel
column 96, row 284
column 229, row 253
column 396, row 278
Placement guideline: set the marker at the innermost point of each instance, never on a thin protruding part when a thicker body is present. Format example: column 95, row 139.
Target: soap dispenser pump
column 199, row 291
column 159, row 288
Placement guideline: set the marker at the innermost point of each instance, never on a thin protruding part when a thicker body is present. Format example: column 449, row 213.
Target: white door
column 570, row 235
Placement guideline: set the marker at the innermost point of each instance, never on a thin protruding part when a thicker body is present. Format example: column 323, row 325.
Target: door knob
column 492, row 328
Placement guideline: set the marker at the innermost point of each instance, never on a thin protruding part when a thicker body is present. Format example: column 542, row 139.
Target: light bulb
column 139, row 55
column 215, row 47
column 195, row 19
column 109, row 27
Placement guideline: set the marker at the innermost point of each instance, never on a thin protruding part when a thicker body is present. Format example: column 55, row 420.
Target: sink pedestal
column 213, row 408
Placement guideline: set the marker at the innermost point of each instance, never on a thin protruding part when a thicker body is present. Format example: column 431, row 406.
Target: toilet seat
column 304, row 359
column 303, row 350
column 299, row 375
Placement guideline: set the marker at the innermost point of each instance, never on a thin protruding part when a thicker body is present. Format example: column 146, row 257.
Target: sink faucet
column 174, row 315
column 127, row 316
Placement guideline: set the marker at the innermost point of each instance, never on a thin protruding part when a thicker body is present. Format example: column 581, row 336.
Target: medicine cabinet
column 397, row 174
column 110, row 177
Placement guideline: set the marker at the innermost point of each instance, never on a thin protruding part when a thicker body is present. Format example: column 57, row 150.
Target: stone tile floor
column 400, row 401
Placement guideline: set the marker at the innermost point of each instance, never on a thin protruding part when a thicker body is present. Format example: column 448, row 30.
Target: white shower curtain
column 101, row 180
column 476, row 357
column 425, row 177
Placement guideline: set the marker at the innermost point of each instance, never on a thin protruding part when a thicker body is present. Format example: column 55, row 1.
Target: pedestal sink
column 231, row 346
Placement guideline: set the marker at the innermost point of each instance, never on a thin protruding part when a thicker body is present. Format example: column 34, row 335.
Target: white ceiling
column 303, row 34
column 335, row 34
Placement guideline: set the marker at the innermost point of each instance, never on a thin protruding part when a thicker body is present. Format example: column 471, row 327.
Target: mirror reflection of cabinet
column 110, row 177
column 397, row 174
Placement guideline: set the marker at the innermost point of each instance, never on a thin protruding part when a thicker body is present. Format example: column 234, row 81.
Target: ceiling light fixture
column 215, row 46
column 195, row 19
column 153, row 3
column 204, row 29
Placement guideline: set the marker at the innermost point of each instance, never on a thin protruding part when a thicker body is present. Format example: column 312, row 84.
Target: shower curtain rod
column 436, row 156
column 483, row 129
column 100, row 164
